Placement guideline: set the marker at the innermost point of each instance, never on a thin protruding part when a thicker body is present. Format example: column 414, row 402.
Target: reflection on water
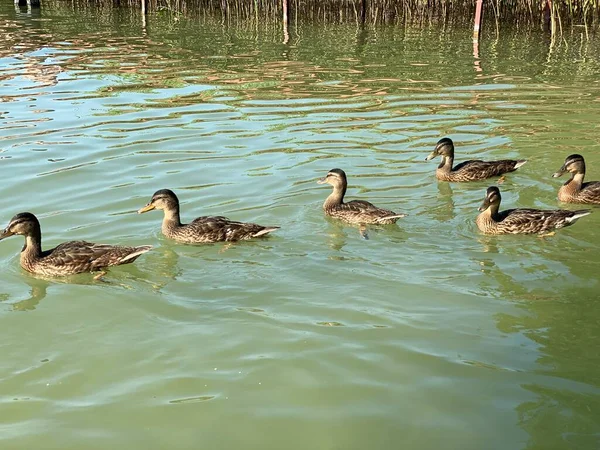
column 37, row 293
column 398, row 336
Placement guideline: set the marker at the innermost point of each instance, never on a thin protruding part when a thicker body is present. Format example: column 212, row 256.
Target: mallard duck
column 203, row 229
column 472, row 170
column 517, row 221
column 355, row 211
column 67, row 258
column 575, row 190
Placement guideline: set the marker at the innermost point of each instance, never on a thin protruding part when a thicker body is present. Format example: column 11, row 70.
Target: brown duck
column 522, row 221
column 472, row 170
column 204, row 229
column 575, row 190
column 67, row 258
column 355, row 211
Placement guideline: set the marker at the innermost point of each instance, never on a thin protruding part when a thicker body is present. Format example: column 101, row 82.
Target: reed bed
column 502, row 12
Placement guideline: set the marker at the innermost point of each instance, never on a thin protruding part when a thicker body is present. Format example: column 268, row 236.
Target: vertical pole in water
column 552, row 18
column 477, row 25
column 144, row 16
column 476, row 33
column 286, row 21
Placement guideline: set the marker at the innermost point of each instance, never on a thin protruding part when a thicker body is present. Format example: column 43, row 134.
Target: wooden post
column 286, row 21
column 552, row 18
column 477, row 25
column 144, row 16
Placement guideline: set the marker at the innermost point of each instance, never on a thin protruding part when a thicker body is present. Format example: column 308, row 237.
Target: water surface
column 427, row 335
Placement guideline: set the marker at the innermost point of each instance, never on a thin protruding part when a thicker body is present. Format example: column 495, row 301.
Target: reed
column 503, row 12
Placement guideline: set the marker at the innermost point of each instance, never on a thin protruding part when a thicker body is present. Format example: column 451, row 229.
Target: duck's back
column 208, row 229
column 361, row 211
column 80, row 256
column 529, row 221
column 476, row 169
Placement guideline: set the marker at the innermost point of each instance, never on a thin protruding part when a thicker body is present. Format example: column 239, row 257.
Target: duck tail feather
column 264, row 231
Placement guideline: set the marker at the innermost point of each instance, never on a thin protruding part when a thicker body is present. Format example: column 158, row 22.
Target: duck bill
column 432, row 155
column 5, row 233
column 485, row 205
column 322, row 180
column 148, row 207
column 560, row 172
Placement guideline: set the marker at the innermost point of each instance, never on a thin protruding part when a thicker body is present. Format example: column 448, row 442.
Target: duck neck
column 491, row 212
column 33, row 246
column 336, row 198
column 576, row 181
column 171, row 218
column 446, row 164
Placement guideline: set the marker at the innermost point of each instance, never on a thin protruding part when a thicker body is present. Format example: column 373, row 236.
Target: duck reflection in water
column 443, row 211
column 164, row 266
column 337, row 236
column 338, row 233
column 37, row 293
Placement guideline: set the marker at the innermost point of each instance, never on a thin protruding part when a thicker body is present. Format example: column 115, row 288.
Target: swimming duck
column 355, row 211
column 516, row 221
column 472, row 170
column 69, row 257
column 203, row 229
column 575, row 190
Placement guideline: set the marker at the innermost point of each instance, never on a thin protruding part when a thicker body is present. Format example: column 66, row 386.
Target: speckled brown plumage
column 355, row 211
column 204, row 229
column 521, row 221
column 473, row 170
column 575, row 190
column 67, row 258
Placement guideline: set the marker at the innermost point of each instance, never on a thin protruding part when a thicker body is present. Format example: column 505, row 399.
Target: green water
column 427, row 335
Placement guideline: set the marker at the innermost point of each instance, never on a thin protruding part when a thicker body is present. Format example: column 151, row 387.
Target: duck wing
column 590, row 192
column 220, row 228
column 83, row 256
column 361, row 211
column 479, row 170
column 537, row 220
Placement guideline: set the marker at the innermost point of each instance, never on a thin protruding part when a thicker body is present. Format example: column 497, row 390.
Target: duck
column 355, row 211
column 522, row 220
column 472, row 170
column 68, row 258
column 205, row 229
column 575, row 190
